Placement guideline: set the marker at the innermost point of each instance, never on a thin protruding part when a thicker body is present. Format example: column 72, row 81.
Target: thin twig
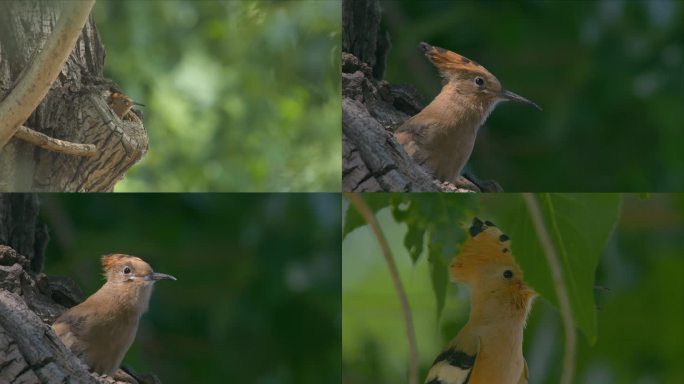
column 361, row 206
column 34, row 83
column 55, row 145
column 559, row 284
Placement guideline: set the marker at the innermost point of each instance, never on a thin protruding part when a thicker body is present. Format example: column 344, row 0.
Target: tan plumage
column 488, row 349
column 441, row 137
column 122, row 105
column 102, row 328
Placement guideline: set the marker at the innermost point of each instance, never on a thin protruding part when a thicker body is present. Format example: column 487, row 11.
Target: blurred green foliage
column 240, row 95
column 609, row 75
column 258, row 293
column 639, row 294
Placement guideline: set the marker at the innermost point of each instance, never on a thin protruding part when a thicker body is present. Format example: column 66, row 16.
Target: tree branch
column 55, row 145
column 35, row 82
column 559, row 284
column 363, row 209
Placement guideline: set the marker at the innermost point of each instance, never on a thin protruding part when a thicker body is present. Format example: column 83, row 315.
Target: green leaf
column 441, row 216
column 579, row 225
column 375, row 201
column 413, row 241
column 438, row 273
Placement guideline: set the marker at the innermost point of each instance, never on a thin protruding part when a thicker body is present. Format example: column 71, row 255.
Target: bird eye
column 508, row 274
column 127, row 270
column 479, row 81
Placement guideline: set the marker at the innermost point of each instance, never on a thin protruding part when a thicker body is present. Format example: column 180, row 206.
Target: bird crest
column 487, row 245
column 447, row 61
column 109, row 261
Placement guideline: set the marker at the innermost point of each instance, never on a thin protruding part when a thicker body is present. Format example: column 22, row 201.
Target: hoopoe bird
column 102, row 328
column 488, row 349
column 441, row 137
column 122, row 104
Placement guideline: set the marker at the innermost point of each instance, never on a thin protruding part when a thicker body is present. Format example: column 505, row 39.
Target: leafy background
column 636, row 299
column 240, row 95
column 258, row 293
column 609, row 75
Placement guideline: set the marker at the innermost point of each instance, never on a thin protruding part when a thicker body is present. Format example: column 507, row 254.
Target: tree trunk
column 372, row 108
column 76, row 109
column 20, row 228
column 29, row 352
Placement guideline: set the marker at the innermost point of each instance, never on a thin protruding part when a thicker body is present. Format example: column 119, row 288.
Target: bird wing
column 454, row 365
column 69, row 328
column 524, row 376
column 414, row 136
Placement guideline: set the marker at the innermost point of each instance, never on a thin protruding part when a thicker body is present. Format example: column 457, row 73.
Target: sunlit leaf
column 579, row 225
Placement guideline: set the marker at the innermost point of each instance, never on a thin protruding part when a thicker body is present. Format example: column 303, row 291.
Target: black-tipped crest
column 476, row 227
column 487, row 242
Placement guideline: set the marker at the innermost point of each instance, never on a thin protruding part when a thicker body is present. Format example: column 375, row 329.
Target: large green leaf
column 441, row 216
column 579, row 225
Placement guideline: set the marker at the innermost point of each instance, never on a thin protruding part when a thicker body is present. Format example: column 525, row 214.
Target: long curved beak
column 160, row 276
column 508, row 95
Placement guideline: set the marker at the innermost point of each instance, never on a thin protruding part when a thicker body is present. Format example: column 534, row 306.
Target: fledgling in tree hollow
column 102, row 328
column 122, row 104
column 441, row 137
column 488, row 349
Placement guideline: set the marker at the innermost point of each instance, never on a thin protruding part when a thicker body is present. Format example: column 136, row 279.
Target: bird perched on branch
column 488, row 349
column 102, row 328
column 441, row 136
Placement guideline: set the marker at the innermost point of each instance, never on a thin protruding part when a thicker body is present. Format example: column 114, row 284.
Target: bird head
column 124, row 269
column 472, row 81
column 486, row 262
column 122, row 104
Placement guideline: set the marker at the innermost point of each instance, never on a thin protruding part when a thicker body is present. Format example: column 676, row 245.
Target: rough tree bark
column 29, row 301
column 76, row 109
column 20, row 230
column 371, row 110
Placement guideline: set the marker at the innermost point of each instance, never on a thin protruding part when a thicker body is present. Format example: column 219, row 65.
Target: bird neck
column 496, row 308
column 458, row 111
column 124, row 299
column 498, row 324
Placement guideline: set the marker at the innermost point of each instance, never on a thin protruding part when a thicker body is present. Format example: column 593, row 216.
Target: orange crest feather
column 113, row 259
column 487, row 245
column 446, row 60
